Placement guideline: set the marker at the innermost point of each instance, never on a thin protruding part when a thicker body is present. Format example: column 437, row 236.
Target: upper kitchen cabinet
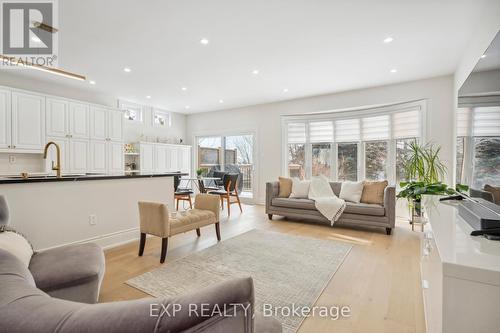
column 57, row 118
column 79, row 120
column 115, row 125
column 28, row 121
column 5, row 119
column 67, row 119
column 106, row 124
column 98, row 123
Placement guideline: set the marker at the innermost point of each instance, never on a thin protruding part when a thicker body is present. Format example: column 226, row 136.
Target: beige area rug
column 286, row 270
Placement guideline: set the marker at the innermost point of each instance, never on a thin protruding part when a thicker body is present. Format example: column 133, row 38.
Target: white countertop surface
column 467, row 257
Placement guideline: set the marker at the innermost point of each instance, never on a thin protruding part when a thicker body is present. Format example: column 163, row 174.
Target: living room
column 249, row 166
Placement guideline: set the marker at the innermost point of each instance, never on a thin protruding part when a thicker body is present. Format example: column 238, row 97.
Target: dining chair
column 229, row 191
column 182, row 194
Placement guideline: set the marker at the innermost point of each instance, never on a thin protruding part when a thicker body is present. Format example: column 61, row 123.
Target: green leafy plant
column 199, row 172
column 424, row 172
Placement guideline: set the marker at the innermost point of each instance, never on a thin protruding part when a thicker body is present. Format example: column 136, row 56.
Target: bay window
column 350, row 146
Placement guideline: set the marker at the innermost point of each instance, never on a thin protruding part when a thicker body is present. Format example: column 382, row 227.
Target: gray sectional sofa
column 358, row 214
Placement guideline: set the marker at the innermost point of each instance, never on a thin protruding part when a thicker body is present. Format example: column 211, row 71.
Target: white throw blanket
column 325, row 201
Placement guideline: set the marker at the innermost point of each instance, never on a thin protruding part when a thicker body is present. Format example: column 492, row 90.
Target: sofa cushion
column 364, row 209
column 67, row 266
column 17, row 245
column 300, row 188
column 351, row 191
column 373, row 192
column 285, row 187
column 294, row 203
column 336, row 187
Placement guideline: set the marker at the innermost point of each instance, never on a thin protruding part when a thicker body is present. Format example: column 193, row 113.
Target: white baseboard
column 107, row 241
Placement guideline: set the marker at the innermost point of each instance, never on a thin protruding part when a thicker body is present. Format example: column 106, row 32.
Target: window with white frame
column 161, row 118
column 132, row 112
column 478, row 146
column 367, row 144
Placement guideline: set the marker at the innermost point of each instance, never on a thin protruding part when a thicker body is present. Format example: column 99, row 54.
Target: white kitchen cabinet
column 79, row 120
column 98, row 123
column 184, row 159
column 5, row 119
column 63, row 144
column 147, row 157
column 57, row 118
column 79, row 155
column 115, row 125
column 115, row 157
column 161, row 158
column 173, row 158
column 28, row 121
column 98, row 156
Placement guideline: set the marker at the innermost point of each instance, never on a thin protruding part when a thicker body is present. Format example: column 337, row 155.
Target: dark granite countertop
column 85, row 177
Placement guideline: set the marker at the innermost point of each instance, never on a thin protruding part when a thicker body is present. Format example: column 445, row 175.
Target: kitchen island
column 52, row 211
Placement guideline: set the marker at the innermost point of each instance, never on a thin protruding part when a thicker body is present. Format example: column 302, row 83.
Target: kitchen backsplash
column 17, row 163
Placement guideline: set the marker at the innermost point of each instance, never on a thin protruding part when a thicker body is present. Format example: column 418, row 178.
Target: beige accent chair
column 155, row 220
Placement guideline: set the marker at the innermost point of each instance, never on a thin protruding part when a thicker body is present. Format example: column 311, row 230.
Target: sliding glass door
column 232, row 154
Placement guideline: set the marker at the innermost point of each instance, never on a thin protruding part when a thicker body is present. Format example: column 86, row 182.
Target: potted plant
column 424, row 172
column 199, row 172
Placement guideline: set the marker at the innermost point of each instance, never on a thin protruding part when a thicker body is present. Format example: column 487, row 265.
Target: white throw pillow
column 351, row 191
column 300, row 188
column 17, row 245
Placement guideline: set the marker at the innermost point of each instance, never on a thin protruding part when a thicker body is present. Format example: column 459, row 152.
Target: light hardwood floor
column 379, row 279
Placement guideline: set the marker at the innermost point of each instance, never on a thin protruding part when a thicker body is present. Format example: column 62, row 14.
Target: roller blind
column 347, row 130
column 486, row 121
column 464, row 122
column 296, row 132
column 376, row 128
column 321, row 131
column 406, row 124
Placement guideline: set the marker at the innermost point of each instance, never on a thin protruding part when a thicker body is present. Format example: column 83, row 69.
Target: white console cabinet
column 460, row 274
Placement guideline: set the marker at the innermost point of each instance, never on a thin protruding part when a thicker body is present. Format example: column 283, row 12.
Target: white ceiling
column 310, row 47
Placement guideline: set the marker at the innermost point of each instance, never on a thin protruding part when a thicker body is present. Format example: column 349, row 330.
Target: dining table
column 199, row 183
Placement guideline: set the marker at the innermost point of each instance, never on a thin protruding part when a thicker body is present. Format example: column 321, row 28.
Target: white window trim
column 420, row 105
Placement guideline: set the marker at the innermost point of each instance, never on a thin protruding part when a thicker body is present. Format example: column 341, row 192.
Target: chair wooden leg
column 164, row 245
column 177, row 204
column 190, row 202
column 270, row 216
column 222, row 202
column 142, row 243
column 239, row 203
column 228, row 206
column 198, row 232
column 217, row 230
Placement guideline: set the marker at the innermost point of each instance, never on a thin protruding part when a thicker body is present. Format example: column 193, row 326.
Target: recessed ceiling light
column 184, row 88
column 92, row 82
column 221, row 101
column 388, row 40
column 204, row 41
column 394, row 70
column 255, row 72
column 285, row 90
column 187, row 107
column 127, row 70
column 36, row 39
column 148, row 97
column 483, row 56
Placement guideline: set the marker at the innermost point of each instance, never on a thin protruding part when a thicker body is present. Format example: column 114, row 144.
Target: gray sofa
column 358, row 214
column 26, row 308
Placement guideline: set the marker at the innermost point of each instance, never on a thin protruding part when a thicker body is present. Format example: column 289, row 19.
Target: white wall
column 265, row 119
